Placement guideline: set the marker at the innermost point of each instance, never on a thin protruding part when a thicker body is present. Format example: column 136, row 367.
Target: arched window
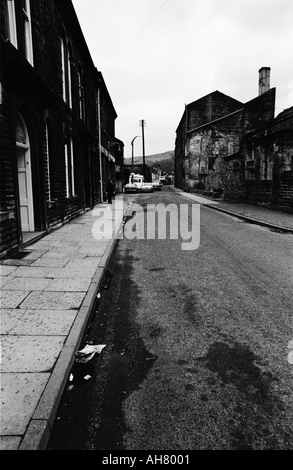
column 66, row 58
column 21, row 135
column 18, row 26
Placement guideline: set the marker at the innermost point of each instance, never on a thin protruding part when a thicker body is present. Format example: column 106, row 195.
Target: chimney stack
column 264, row 80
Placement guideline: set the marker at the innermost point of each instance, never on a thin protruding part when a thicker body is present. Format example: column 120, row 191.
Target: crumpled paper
column 88, row 352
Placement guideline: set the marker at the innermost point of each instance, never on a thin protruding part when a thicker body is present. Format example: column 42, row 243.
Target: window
column 18, row 26
column 63, row 55
column 66, row 57
column 81, row 99
column 10, row 21
column 48, row 162
column 69, row 167
column 69, row 61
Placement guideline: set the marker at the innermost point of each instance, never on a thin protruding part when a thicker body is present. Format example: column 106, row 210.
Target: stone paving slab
column 41, row 245
column 6, row 270
column 20, row 394
column 20, row 283
column 77, row 273
column 59, row 254
column 29, row 353
column 59, row 247
column 53, row 300
column 4, row 280
column 80, row 255
column 86, row 263
column 12, row 299
column 53, row 262
column 68, row 285
column 97, row 244
column 29, row 271
column 9, row 318
column 37, row 322
column 9, row 442
column 92, row 251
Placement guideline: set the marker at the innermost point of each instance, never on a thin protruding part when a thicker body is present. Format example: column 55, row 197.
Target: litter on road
column 88, row 352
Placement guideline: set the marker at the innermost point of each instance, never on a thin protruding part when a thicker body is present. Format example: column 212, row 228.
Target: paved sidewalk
column 46, row 301
column 266, row 217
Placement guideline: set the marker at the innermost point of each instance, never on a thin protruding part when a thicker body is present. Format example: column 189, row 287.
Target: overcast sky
column 158, row 55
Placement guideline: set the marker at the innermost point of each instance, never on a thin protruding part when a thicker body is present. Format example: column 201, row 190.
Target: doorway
column 24, row 172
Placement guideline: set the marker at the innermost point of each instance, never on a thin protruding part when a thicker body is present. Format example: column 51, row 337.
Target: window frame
column 19, row 27
column 81, row 93
column 66, row 64
column 69, row 166
column 10, row 20
column 47, row 136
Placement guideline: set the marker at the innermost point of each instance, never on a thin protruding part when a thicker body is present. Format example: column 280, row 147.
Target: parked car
column 157, row 185
column 130, row 188
column 136, row 184
column 146, row 188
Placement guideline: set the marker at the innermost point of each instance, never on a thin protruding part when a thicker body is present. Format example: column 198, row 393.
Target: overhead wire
column 137, row 35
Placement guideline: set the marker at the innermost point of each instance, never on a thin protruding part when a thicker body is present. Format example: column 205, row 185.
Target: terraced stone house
column 57, row 142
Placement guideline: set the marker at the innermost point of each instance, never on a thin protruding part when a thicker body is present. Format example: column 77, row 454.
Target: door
column 24, row 178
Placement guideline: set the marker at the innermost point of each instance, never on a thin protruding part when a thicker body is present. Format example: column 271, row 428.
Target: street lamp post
column 142, row 125
column 132, row 153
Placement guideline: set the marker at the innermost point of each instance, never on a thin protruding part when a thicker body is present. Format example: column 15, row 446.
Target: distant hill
column 165, row 160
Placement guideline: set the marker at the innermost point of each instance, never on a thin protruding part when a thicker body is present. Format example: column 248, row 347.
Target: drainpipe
column 100, row 145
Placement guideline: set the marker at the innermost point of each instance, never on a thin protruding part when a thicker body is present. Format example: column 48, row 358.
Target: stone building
column 58, row 145
column 211, row 133
column 267, row 163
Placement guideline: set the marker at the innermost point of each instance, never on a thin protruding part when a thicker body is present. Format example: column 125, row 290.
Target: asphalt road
column 196, row 344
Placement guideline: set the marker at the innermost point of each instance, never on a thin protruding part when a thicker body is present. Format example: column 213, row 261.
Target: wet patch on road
column 118, row 365
column 255, row 408
column 190, row 305
column 188, row 302
column 235, row 365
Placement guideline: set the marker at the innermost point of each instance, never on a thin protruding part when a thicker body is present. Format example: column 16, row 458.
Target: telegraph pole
column 142, row 125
